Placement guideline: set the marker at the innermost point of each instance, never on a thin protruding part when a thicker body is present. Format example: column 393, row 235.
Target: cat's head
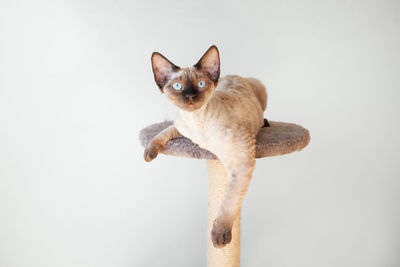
column 188, row 88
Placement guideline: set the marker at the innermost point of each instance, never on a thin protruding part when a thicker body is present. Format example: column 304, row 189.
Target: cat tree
column 278, row 139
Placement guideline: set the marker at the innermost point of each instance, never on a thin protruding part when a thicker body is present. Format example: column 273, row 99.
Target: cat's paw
column 221, row 234
column 151, row 151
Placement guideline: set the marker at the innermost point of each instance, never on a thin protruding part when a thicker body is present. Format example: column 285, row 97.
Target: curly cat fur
column 224, row 118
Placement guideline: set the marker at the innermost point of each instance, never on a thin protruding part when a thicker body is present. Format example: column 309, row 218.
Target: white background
column 76, row 87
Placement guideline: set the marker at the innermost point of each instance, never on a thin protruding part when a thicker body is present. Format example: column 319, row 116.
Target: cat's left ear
column 209, row 63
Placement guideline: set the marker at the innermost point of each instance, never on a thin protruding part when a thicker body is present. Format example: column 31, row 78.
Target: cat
column 222, row 115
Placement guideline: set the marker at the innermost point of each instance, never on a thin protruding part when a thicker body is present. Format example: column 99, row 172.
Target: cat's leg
column 239, row 166
column 259, row 91
column 159, row 141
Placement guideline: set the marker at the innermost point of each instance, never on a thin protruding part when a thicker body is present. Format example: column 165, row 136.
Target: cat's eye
column 201, row 84
column 177, row 86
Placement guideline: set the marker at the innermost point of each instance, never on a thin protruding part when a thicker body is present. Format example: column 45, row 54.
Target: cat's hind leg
column 259, row 91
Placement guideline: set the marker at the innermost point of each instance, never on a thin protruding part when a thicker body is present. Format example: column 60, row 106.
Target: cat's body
column 234, row 113
column 221, row 115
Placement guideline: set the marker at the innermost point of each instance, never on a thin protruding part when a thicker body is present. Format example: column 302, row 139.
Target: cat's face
column 188, row 88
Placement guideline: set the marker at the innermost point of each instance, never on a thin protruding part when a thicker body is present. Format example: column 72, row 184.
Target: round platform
column 278, row 139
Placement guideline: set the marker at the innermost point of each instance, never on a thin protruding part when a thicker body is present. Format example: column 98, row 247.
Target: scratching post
column 278, row 139
column 229, row 255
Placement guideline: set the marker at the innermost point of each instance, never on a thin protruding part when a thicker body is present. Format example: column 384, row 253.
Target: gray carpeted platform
column 278, row 139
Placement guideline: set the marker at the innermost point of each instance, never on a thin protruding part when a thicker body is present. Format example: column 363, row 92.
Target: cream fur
column 225, row 120
column 227, row 126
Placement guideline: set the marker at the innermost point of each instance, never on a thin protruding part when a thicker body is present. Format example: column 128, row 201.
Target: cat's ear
column 162, row 69
column 209, row 63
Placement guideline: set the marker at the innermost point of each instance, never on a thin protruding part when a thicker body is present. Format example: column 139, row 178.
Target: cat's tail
column 260, row 92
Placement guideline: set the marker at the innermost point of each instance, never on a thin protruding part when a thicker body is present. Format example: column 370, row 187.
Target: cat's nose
column 190, row 96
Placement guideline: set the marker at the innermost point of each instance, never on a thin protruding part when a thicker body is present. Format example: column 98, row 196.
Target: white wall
column 76, row 87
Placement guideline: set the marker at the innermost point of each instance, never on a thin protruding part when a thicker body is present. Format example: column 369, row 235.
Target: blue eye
column 177, row 86
column 201, row 84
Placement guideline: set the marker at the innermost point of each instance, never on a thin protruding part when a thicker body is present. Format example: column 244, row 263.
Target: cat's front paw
column 151, row 151
column 221, row 234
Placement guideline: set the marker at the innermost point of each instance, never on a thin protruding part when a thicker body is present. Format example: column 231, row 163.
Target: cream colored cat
column 222, row 115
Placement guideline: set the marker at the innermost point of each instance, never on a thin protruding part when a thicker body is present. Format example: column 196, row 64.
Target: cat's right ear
column 162, row 69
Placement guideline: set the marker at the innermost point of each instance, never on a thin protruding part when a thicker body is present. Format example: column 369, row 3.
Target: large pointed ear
column 162, row 69
column 209, row 63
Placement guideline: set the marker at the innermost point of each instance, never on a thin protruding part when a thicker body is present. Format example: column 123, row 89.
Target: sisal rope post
column 228, row 256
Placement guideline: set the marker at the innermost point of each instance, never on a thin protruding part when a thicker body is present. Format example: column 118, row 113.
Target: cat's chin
column 191, row 107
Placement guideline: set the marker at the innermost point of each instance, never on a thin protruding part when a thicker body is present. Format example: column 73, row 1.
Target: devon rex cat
column 222, row 115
